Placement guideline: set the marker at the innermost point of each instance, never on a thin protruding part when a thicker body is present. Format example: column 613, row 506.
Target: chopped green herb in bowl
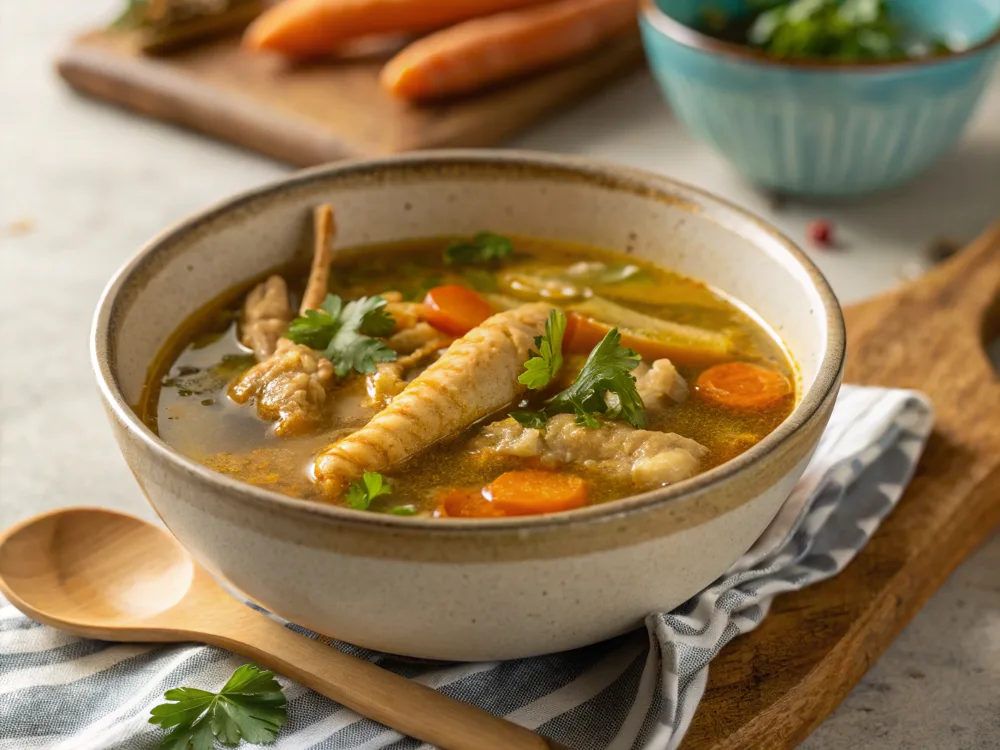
column 834, row 30
column 823, row 98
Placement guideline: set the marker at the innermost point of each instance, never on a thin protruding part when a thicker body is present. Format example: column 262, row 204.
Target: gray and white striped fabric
column 637, row 691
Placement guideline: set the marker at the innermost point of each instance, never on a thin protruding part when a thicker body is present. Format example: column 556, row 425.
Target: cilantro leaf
column 356, row 352
column 484, row 247
column 604, row 387
column 345, row 333
column 314, row 329
column 250, row 706
column 371, row 316
column 545, row 363
column 403, row 510
column 361, row 492
column 196, row 737
column 607, row 370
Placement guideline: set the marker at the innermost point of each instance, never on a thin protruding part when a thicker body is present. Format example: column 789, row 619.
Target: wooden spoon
column 101, row 574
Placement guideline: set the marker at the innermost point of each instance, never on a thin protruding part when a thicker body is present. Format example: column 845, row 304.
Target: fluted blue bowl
column 818, row 128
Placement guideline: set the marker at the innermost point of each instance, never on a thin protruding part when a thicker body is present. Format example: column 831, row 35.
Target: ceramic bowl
column 817, row 128
column 470, row 589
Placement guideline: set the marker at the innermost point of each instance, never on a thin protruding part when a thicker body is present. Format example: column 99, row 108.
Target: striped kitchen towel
column 637, row 691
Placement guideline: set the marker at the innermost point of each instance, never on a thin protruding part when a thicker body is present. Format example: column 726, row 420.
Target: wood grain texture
column 310, row 114
column 103, row 574
column 769, row 689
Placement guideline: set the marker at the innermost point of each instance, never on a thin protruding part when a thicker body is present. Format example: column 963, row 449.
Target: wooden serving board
column 770, row 688
column 311, row 114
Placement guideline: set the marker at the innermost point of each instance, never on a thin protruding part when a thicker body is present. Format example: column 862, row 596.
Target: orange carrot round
column 466, row 503
column 455, row 310
column 531, row 491
column 741, row 385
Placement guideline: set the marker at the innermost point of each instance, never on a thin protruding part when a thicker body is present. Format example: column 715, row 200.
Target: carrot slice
column 306, row 28
column 741, row 385
column 455, row 310
column 484, row 51
column 466, row 503
column 531, row 491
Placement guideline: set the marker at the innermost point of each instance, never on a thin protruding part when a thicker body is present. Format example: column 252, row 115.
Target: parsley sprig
column 605, row 387
column 250, row 706
column 546, row 361
column 361, row 492
column 482, row 248
column 345, row 333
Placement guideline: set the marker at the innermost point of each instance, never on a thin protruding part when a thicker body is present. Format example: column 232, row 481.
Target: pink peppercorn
column 821, row 232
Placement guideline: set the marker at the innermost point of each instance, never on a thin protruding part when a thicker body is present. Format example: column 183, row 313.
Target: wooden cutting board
column 770, row 688
column 311, row 114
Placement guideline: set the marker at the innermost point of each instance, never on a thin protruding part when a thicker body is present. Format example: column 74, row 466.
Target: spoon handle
column 397, row 702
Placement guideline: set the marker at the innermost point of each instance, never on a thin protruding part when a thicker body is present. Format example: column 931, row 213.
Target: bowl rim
column 826, row 383
column 691, row 38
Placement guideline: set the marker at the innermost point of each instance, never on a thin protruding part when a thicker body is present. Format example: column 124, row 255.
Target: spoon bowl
column 78, row 570
column 102, row 574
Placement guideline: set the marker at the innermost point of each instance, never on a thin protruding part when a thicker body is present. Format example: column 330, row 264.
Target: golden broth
column 186, row 403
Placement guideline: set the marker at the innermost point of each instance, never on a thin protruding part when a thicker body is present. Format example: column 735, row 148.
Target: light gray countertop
column 82, row 186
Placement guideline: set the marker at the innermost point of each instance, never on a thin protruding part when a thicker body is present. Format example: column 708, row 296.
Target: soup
column 483, row 376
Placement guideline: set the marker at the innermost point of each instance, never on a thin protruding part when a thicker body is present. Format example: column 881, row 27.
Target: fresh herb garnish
column 345, row 333
column 545, row 363
column 840, row 30
column 608, row 370
column 403, row 510
column 605, row 387
column 485, row 247
column 249, row 707
column 361, row 492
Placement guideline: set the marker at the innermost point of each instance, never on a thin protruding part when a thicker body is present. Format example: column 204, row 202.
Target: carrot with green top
column 308, row 28
column 479, row 53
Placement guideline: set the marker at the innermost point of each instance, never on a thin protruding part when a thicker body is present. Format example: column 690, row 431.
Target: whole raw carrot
column 484, row 51
column 306, row 28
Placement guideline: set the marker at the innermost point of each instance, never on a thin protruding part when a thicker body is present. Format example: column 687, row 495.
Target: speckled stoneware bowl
column 470, row 589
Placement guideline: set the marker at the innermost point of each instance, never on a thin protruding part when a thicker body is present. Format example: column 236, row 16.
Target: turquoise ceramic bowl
column 817, row 128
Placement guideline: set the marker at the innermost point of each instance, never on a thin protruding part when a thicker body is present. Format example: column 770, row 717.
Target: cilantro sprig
column 605, row 387
column 345, row 333
column 250, row 706
column 361, row 492
column 546, row 361
column 482, row 248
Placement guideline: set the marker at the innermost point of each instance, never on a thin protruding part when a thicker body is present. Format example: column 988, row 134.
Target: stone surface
column 83, row 186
